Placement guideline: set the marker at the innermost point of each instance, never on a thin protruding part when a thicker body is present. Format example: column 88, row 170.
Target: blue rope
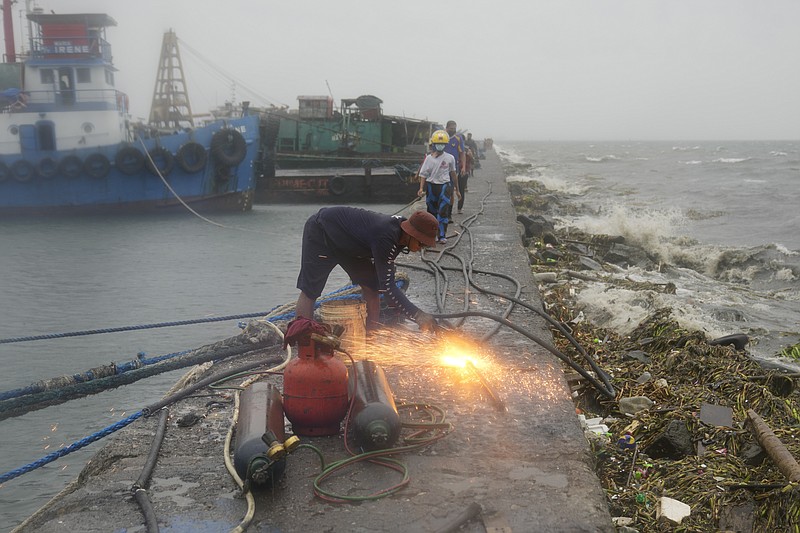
column 129, row 420
column 129, row 328
column 11, row 474
column 161, row 324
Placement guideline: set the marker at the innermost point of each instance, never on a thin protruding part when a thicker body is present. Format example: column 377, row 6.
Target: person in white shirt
column 438, row 181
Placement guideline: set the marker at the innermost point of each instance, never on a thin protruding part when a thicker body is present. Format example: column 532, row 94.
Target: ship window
column 110, row 78
column 47, row 77
column 84, row 75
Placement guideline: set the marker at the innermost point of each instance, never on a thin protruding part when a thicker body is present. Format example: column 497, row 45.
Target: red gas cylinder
column 315, row 388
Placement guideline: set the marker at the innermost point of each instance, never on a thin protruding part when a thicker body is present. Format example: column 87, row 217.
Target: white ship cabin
column 67, row 99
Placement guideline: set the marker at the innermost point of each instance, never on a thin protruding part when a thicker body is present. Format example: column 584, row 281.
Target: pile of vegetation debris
column 699, row 437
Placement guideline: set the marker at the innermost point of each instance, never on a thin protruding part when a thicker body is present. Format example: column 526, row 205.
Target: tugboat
column 67, row 144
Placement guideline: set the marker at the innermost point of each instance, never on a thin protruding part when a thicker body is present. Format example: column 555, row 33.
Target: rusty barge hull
column 338, row 186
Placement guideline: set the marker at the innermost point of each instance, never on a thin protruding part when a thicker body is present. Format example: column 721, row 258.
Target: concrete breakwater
column 528, row 467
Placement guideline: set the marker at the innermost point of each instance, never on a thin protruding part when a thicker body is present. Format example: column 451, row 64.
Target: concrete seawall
column 528, row 468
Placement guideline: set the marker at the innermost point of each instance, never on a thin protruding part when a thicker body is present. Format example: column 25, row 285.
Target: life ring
column 47, row 167
column 337, row 185
column 4, row 172
column 161, row 161
column 22, row 170
column 96, row 166
column 192, row 157
column 228, row 147
column 129, row 160
column 71, row 166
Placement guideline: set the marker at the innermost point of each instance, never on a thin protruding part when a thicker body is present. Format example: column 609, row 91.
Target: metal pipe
column 498, row 403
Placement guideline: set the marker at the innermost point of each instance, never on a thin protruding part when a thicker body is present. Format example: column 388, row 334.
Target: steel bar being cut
column 498, row 402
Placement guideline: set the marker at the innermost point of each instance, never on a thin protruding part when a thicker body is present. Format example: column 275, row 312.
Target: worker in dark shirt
column 365, row 244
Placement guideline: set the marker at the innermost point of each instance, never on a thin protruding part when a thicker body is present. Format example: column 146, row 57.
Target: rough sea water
column 721, row 218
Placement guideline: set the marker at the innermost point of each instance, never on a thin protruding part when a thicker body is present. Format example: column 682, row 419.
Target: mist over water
column 720, row 218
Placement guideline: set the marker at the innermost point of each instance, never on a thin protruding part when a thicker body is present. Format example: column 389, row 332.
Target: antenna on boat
column 170, row 108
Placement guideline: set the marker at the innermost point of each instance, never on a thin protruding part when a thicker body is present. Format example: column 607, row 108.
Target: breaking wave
column 602, row 158
column 732, row 159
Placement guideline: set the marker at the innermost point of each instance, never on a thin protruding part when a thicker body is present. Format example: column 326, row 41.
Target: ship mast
column 170, row 108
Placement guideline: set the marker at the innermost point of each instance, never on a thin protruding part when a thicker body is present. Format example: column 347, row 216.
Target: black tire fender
column 161, row 161
column 96, row 166
column 22, row 170
column 337, row 185
column 228, row 147
column 71, row 166
column 47, row 168
column 192, row 157
column 5, row 173
column 129, row 160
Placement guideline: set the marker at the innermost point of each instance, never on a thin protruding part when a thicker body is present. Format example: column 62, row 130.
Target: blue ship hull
column 42, row 185
column 67, row 144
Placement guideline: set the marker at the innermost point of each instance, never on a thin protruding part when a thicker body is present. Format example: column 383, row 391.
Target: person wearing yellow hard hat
column 438, row 180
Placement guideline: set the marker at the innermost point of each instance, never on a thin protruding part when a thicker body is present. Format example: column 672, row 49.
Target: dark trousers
column 462, row 188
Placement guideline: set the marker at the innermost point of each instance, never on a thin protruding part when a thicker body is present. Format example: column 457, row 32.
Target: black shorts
column 319, row 257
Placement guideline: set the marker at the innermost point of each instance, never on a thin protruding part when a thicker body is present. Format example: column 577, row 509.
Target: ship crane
column 170, row 108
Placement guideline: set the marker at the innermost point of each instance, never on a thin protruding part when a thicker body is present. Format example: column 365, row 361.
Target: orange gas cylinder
column 315, row 388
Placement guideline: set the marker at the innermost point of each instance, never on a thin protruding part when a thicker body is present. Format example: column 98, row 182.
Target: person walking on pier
column 457, row 149
column 365, row 244
column 438, row 180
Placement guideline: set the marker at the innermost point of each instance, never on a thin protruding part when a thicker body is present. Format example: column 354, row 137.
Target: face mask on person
column 439, row 147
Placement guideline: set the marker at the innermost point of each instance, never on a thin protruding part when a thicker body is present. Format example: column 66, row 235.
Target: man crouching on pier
column 365, row 244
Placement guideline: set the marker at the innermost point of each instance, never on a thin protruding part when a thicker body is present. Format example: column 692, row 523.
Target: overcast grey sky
column 511, row 70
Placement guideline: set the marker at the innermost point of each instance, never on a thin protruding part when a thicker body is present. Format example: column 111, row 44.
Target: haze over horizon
column 567, row 70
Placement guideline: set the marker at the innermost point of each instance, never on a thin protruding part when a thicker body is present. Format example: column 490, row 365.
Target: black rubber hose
column 609, row 391
column 169, row 400
column 140, row 487
column 150, row 519
column 558, row 325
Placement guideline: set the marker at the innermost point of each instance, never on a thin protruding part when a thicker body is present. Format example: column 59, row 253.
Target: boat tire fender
column 22, row 170
column 4, row 172
column 228, row 147
column 129, row 160
column 161, row 161
column 337, row 185
column 192, row 157
column 97, row 166
column 71, row 166
column 47, row 168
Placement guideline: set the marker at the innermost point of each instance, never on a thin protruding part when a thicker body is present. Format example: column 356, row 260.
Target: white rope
column 184, row 204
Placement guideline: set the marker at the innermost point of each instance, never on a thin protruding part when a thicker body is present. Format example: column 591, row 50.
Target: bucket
column 352, row 314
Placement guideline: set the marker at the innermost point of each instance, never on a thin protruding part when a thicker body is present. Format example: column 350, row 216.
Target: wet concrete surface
column 529, row 468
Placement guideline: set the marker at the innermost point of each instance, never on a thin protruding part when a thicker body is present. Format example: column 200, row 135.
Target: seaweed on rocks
column 669, row 449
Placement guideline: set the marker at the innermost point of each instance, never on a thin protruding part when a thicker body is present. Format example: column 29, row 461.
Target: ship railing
column 70, row 47
column 61, row 100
